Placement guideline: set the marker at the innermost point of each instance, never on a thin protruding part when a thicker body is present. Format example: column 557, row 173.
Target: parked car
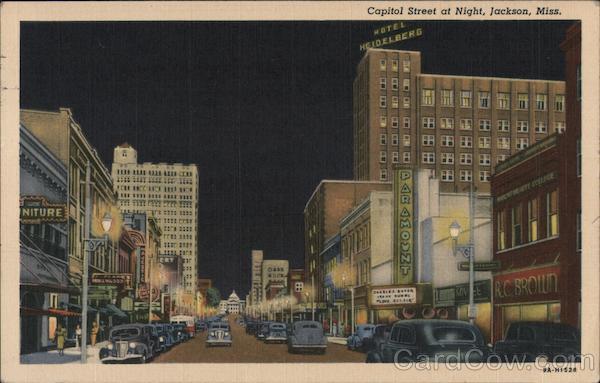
column 262, row 330
column 380, row 333
column 251, row 327
column 277, row 333
column 219, row 334
column 307, row 336
column 527, row 341
column 129, row 343
column 431, row 339
column 165, row 339
column 169, row 328
column 180, row 331
column 356, row 340
column 201, row 326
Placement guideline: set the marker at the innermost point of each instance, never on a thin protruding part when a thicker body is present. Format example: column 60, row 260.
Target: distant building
column 231, row 305
column 256, row 282
column 274, row 271
column 296, row 283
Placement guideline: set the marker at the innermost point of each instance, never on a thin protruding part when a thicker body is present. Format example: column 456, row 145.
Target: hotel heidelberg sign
column 36, row 210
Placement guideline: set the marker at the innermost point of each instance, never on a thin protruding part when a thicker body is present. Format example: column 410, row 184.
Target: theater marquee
column 403, row 226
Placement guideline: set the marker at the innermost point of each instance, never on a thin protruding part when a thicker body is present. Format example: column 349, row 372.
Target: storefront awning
column 76, row 307
column 114, row 310
column 64, row 313
column 28, row 311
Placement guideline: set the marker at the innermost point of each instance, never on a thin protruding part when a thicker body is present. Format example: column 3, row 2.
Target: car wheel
column 144, row 358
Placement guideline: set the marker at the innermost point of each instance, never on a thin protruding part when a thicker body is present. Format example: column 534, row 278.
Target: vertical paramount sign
column 403, row 226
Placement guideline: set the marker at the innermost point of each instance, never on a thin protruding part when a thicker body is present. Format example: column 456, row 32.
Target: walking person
column 78, row 336
column 94, row 333
column 59, row 336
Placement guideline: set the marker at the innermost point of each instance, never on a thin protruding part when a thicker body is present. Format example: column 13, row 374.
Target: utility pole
column 86, row 259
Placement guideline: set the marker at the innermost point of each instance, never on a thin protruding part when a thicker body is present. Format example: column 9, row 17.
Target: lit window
column 428, row 123
column 394, row 102
column 522, row 126
column 466, row 124
column 466, row 158
column 532, row 214
column 447, row 158
column 503, row 125
column 540, row 127
column 406, row 102
column 559, row 103
column 383, row 121
column 406, row 66
column 484, row 100
column 394, row 65
column 503, row 100
column 406, row 84
column 382, row 65
column 484, row 125
column 523, row 101
column 428, row 140
column 406, row 122
column 429, row 158
column 406, row 140
column 466, row 142
column 465, row 98
column 447, row 123
column 428, row 96
column 540, row 101
column 552, row 213
column 448, row 141
column 447, row 97
column 466, row 175
column 448, row 175
column 503, row 143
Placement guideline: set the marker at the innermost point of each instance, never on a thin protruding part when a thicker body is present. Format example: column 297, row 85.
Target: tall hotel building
column 168, row 192
column 459, row 126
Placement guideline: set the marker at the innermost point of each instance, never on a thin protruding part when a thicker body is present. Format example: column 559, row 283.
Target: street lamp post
column 312, row 295
column 351, row 288
column 90, row 245
column 468, row 251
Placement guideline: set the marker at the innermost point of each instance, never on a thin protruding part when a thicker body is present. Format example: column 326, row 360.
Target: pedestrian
column 59, row 338
column 94, row 334
column 102, row 328
column 78, row 335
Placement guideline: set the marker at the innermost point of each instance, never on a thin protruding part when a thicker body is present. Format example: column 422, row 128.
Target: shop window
column 532, row 212
column 516, row 225
column 552, row 213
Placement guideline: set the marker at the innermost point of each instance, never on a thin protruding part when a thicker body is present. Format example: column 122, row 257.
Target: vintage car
column 357, row 340
column 180, row 331
column 432, row 340
column 380, row 333
column 165, row 337
column 173, row 331
column 251, row 327
column 277, row 333
column 201, row 326
column 261, row 330
column 307, row 336
column 219, row 334
column 129, row 343
column 528, row 341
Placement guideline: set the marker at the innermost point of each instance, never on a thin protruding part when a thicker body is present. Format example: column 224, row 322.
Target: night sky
column 263, row 108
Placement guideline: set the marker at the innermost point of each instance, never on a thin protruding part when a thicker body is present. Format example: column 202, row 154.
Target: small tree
column 213, row 297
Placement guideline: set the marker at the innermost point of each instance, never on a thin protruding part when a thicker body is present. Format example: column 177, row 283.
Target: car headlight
column 226, row 333
column 162, row 339
column 212, row 333
column 110, row 346
column 131, row 345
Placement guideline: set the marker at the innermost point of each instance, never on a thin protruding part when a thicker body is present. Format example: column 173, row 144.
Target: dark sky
column 263, row 108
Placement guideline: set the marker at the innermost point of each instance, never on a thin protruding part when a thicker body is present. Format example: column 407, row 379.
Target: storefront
column 530, row 294
column 452, row 302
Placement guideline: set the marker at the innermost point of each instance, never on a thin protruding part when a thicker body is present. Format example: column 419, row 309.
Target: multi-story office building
column 168, row 192
column 274, row 271
column 256, row 278
column 459, row 126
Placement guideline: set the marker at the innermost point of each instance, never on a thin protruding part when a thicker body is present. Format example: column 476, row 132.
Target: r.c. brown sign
column 527, row 285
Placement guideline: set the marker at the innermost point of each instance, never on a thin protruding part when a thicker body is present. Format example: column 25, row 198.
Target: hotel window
column 578, row 149
column 578, row 82
column 428, row 96
column 383, row 121
column 484, row 142
column 395, row 102
column 484, row 176
column 485, row 159
column 466, row 175
column 484, row 125
column 406, row 122
column 448, row 175
column 448, row 158
column 429, row 158
column 382, row 82
column 522, row 126
column 466, row 124
column 559, row 126
column 578, row 223
column 395, row 157
column 540, row 127
column 540, row 101
column 394, row 65
column 406, row 84
column 503, row 125
column 501, row 231
column 447, row 123
column 406, row 66
column 406, row 140
column 395, row 122
column 406, row 102
column 406, row 157
column 428, row 123
column 559, row 103
column 532, row 216
column 382, row 101
column 383, row 175
column 383, row 139
column 484, row 100
column 503, row 100
column 522, row 143
column 428, row 140
column 503, row 143
column 500, row 158
column 552, row 213
column 447, row 97
column 523, row 101
column 466, row 142
column 465, row 98
column 395, row 84
column 383, row 156
column 466, row 158
column 448, row 141
column 382, row 65
column 516, row 225
column 395, row 140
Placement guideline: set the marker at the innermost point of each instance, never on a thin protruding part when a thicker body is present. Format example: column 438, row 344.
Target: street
column 247, row 349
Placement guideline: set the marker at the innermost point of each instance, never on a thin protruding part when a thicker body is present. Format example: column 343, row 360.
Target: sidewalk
column 72, row 356
column 336, row 340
